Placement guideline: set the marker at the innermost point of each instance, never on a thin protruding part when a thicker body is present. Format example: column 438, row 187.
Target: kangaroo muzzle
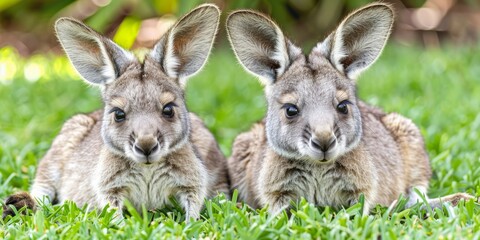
column 146, row 145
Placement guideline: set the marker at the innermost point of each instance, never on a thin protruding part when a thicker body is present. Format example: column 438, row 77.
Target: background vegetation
column 437, row 87
column 27, row 25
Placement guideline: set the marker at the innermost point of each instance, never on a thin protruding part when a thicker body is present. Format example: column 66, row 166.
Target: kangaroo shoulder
column 75, row 130
column 205, row 142
column 200, row 136
column 400, row 126
column 81, row 123
column 248, row 143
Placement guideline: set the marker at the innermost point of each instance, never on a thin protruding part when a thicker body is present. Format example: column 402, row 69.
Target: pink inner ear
column 259, row 44
column 185, row 49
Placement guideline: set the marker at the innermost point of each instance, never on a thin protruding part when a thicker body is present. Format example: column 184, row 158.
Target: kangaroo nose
column 323, row 145
column 146, row 150
column 146, row 146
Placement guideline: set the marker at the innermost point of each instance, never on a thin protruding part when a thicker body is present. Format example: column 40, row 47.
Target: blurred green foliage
column 28, row 23
column 126, row 32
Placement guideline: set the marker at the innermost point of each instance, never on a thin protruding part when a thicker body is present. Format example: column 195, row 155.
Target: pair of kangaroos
column 318, row 141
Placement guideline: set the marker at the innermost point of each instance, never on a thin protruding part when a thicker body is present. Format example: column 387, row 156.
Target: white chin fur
column 322, row 157
column 140, row 158
column 312, row 154
column 306, row 152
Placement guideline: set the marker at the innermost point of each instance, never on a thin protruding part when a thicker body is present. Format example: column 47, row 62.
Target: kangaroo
column 318, row 140
column 143, row 146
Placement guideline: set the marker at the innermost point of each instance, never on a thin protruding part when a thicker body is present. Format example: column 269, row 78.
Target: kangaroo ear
column 359, row 39
column 260, row 45
column 97, row 59
column 184, row 49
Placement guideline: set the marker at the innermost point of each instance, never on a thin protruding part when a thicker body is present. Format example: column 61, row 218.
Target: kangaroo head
column 312, row 103
column 145, row 117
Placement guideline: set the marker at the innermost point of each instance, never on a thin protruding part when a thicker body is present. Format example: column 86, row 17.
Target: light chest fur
column 327, row 185
column 150, row 185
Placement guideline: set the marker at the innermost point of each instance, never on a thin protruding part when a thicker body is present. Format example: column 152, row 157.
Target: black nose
column 146, row 149
column 323, row 145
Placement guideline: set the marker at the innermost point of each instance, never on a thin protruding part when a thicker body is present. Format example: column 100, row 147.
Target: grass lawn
column 439, row 89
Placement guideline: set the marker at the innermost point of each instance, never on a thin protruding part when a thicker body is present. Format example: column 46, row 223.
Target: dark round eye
column 168, row 110
column 342, row 107
column 119, row 115
column 291, row 110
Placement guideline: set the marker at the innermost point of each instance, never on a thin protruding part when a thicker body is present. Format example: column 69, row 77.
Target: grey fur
column 148, row 157
column 322, row 154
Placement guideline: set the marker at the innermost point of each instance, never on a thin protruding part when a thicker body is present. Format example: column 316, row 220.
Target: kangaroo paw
column 454, row 199
column 18, row 200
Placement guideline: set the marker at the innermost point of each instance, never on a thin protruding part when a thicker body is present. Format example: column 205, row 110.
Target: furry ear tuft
column 359, row 40
column 184, row 49
column 259, row 45
column 97, row 59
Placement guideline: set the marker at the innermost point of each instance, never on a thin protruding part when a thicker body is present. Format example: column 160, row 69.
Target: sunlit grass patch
column 438, row 89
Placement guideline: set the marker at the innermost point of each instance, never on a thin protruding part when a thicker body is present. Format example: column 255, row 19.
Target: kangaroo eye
column 342, row 107
column 168, row 110
column 118, row 115
column 291, row 110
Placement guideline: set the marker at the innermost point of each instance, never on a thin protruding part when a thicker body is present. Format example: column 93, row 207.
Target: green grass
column 438, row 89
